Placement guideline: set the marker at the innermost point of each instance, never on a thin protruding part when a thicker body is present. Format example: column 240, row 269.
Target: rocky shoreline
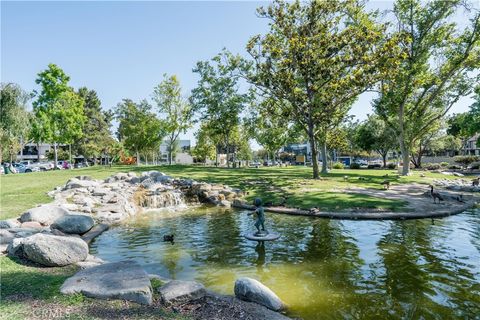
column 57, row 234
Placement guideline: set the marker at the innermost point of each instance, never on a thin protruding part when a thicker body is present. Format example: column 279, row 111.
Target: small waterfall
column 162, row 199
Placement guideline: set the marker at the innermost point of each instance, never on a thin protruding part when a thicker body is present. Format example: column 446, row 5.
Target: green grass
column 23, row 191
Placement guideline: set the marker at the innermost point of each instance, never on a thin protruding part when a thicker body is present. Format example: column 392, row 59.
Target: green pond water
column 323, row 269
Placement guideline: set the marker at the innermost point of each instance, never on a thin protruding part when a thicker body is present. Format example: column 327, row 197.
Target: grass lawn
column 23, row 191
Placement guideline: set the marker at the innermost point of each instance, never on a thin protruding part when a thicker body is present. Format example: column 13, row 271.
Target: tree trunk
column 324, row 158
column 384, row 158
column 70, row 152
column 138, row 158
column 405, row 157
column 55, row 155
column 38, row 151
column 313, row 147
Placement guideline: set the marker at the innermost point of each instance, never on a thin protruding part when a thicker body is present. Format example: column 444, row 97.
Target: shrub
column 355, row 166
column 374, row 166
column 454, row 167
column 444, row 164
column 432, row 166
column 466, row 160
column 391, row 166
column 475, row 165
column 338, row 165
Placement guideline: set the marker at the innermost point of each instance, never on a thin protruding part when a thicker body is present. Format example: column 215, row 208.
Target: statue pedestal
column 262, row 237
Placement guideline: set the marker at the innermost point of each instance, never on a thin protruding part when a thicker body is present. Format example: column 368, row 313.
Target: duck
column 476, row 182
column 169, row 238
column 386, row 184
column 435, row 195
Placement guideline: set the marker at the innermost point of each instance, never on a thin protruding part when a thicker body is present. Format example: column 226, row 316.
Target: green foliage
column 355, row 166
column 316, row 58
column 96, row 136
column 392, row 166
column 14, row 119
column 374, row 134
column 61, row 155
column 139, row 128
column 444, row 164
column 205, row 147
column 435, row 73
column 177, row 111
column 217, row 97
column 338, row 165
column 466, row 160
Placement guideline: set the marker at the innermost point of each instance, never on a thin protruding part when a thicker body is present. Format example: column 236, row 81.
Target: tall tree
column 218, row 98
column 177, row 110
column 435, row 73
column 96, row 137
column 139, row 129
column 205, row 147
column 374, row 134
column 58, row 109
column 319, row 56
column 14, row 119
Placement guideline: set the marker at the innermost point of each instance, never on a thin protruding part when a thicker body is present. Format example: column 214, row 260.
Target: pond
column 323, row 269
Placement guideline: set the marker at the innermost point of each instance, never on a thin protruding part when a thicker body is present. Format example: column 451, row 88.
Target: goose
column 476, row 182
column 435, row 195
column 386, row 184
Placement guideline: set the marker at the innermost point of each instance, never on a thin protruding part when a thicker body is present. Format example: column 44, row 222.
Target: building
column 32, row 150
column 471, row 146
column 181, row 157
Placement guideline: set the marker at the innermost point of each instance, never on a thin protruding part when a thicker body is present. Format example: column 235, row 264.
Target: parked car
column 255, row 164
column 80, row 165
column 2, row 171
column 21, row 168
column 63, row 164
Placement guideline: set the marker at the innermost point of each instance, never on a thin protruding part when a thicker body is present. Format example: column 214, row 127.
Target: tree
column 437, row 70
column 177, row 111
column 205, row 146
column 218, row 99
column 96, row 136
column 139, row 129
column 374, row 134
column 58, row 109
column 430, row 141
column 318, row 56
column 14, row 119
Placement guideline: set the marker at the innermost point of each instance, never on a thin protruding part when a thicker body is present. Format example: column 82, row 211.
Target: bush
column 355, row 166
column 444, row 164
column 391, row 166
column 466, row 160
column 338, row 165
column 374, row 166
column 454, row 167
column 432, row 166
column 474, row 165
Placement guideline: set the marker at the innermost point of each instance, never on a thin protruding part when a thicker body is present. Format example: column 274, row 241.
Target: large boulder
column 177, row 291
column 50, row 250
column 74, row 223
column 45, row 215
column 124, row 280
column 6, row 236
column 249, row 289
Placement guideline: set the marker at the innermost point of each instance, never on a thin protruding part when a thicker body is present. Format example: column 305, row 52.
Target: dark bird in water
column 169, row 238
column 435, row 195
column 386, row 184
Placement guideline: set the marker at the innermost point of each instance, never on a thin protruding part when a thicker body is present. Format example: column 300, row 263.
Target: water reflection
column 323, row 269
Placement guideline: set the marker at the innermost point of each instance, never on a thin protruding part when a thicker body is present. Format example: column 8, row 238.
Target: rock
column 132, row 174
column 9, row 223
column 52, row 251
column 31, row 224
column 76, row 183
column 84, row 178
column 118, row 280
column 177, row 291
column 90, row 261
column 458, row 174
column 74, row 223
column 15, row 248
column 45, row 215
column 446, row 173
column 225, row 203
column 134, row 180
column 249, row 289
column 6, row 236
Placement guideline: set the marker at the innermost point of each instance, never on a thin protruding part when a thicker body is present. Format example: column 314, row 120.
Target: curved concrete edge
column 387, row 215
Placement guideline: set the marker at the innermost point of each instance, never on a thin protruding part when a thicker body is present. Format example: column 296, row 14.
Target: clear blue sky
column 121, row 49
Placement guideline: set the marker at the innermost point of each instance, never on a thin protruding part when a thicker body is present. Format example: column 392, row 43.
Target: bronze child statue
column 260, row 223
